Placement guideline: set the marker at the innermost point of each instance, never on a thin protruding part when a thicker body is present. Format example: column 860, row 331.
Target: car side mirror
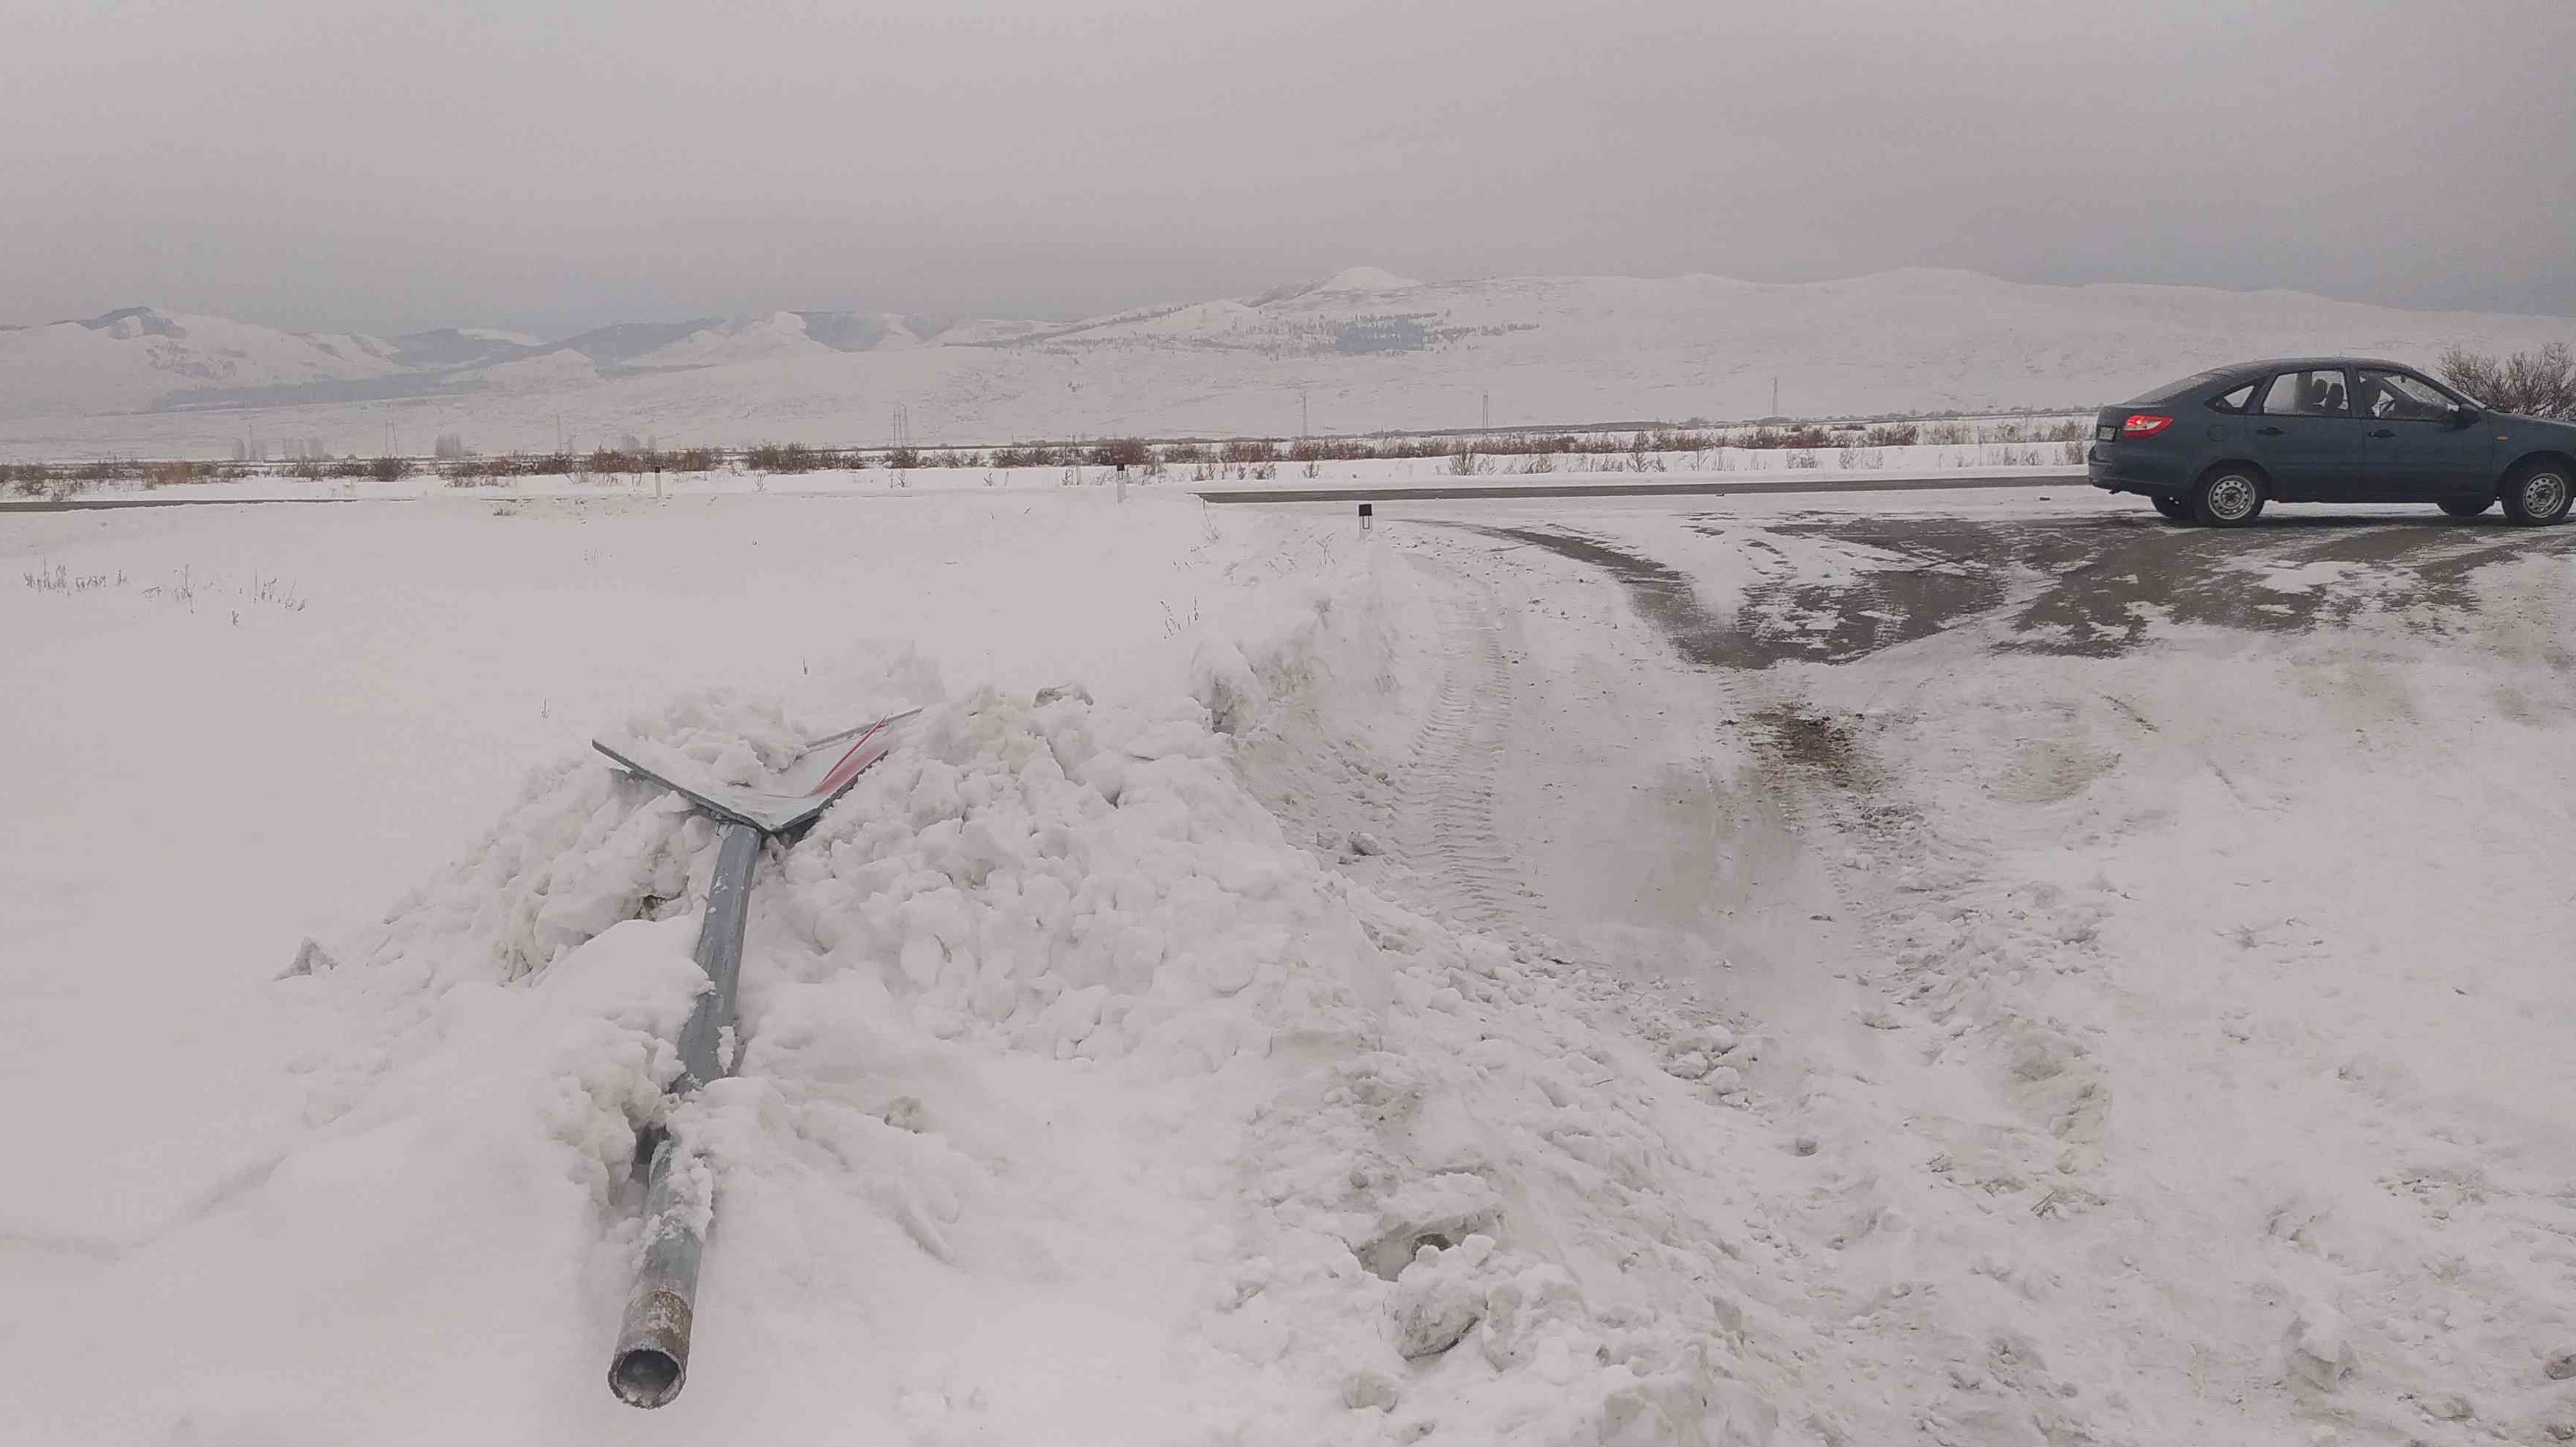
column 2464, row 416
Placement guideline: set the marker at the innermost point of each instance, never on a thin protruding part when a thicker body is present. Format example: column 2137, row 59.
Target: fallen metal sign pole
column 651, row 1360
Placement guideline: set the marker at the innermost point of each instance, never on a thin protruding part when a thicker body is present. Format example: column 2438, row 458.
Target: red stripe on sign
column 852, row 762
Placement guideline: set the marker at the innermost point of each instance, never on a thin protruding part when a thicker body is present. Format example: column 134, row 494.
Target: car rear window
column 2171, row 390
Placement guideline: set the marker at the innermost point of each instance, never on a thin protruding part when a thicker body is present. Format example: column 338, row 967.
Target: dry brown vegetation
column 2531, row 384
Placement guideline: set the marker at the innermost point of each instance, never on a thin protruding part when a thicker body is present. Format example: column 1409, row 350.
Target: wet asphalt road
column 1702, row 487
column 2089, row 586
column 100, row 504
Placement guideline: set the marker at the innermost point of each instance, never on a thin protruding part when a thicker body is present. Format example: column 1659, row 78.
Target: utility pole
column 1305, row 426
column 1775, row 396
column 1487, row 424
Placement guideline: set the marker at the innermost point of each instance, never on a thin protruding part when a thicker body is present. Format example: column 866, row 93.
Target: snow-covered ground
column 1960, row 967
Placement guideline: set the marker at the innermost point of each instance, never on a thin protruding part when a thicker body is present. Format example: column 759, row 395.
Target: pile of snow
column 1073, row 1101
column 1077, row 1101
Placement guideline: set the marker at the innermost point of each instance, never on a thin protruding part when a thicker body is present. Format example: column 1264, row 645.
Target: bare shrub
column 1247, row 449
column 1946, row 434
column 792, row 457
column 1799, row 457
column 1466, row 461
column 1120, row 452
column 389, row 469
column 2529, row 384
column 903, row 459
column 1891, row 434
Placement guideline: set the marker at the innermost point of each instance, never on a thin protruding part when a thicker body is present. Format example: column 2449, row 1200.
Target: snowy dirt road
column 2150, row 941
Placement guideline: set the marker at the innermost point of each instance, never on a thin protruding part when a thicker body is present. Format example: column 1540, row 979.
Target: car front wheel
column 2175, row 509
column 2537, row 495
column 2227, row 497
column 2466, row 507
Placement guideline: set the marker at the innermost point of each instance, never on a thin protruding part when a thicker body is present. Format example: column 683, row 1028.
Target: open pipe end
column 646, row 1376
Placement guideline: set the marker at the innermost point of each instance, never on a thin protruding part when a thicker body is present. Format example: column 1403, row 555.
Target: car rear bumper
column 2132, row 473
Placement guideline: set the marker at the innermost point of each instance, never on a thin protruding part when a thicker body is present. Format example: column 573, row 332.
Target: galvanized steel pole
column 651, row 1362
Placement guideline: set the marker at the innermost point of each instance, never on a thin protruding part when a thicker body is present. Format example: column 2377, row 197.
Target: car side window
column 2235, row 401
column 2308, row 394
column 2396, row 396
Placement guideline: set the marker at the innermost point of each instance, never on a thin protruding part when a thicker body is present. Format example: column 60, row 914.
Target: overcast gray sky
column 553, row 163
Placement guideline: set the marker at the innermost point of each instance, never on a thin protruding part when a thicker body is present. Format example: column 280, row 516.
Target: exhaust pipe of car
column 651, row 1362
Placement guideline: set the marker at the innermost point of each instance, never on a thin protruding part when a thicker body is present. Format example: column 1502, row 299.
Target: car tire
column 2538, row 494
column 2227, row 497
column 2174, row 509
column 2466, row 507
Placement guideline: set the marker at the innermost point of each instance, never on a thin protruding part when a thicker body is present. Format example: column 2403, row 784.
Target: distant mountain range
column 1357, row 351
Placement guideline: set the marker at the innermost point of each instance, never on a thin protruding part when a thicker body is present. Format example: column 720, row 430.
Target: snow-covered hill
column 132, row 358
column 1357, row 351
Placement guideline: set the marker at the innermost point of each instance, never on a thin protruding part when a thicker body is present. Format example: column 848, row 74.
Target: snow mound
column 1075, row 1102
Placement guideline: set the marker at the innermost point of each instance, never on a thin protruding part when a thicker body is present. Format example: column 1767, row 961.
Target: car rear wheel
column 2537, row 495
column 2466, row 507
column 2175, row 509
column 2227, row 497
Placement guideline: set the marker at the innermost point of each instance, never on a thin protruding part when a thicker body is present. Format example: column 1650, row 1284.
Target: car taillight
column 2145, row 424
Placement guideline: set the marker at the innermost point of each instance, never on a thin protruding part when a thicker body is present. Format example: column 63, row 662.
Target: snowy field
column 1970, row 968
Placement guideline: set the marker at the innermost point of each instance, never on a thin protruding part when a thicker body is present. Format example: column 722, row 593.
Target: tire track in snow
column 1445, row 798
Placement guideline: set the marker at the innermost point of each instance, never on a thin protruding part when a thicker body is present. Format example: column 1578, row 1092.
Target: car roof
column 2303, row 364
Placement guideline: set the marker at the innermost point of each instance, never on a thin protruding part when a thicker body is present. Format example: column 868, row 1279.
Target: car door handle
column 2384, row 432
column 2267, row 431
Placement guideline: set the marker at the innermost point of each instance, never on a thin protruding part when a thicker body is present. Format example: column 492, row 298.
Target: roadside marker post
column 1368, row 511
column 650, row 1362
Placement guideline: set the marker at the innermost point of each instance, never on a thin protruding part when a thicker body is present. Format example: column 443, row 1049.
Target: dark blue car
column 2215, row 447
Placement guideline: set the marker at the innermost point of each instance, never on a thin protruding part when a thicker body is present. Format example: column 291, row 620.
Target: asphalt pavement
column 1700, row 487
